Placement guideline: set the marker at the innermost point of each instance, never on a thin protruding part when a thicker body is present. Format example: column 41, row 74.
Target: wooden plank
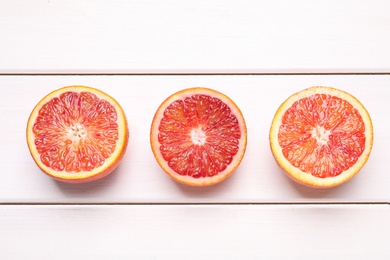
column 139, row 178
column 165, row 36
column 194, row 232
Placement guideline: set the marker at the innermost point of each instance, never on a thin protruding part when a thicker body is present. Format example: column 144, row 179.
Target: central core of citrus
column 198, row 136
column 76, row 133
column 320, row 134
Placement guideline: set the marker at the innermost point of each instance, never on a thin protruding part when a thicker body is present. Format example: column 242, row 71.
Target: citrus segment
column 77, row 134
column 198, row 136
column 321, row 136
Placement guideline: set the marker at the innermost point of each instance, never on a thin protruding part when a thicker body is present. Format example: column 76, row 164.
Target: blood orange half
column 321, row 136
column 198, row 136
column 77, row 134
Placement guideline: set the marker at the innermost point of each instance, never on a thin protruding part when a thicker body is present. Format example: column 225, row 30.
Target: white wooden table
column 256, row 52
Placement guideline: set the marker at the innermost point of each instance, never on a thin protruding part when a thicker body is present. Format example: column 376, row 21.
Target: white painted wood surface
column 195, row 232
column 128, row 37
column 203, row 35
column 139, row 179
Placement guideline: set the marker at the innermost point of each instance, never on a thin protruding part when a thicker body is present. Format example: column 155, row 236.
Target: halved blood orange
column 321, row 136
column 77, row 134
column 198, row 136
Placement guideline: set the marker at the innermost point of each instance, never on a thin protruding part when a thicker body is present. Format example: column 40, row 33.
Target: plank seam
column 200, row 74
column 188, row 203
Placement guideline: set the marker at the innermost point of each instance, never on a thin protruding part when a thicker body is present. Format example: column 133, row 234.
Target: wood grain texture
column 218, row 36
column 139, row 179
column 166, row 36
column 195, row 232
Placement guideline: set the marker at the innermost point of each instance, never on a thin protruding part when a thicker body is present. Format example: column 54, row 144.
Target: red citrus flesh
column 321, row 132
column 77, row 134
column 198, row 136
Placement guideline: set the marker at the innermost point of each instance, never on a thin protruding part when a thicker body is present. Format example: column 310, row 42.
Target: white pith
column 321, row 134
column 76, row 133
column 198, row 136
